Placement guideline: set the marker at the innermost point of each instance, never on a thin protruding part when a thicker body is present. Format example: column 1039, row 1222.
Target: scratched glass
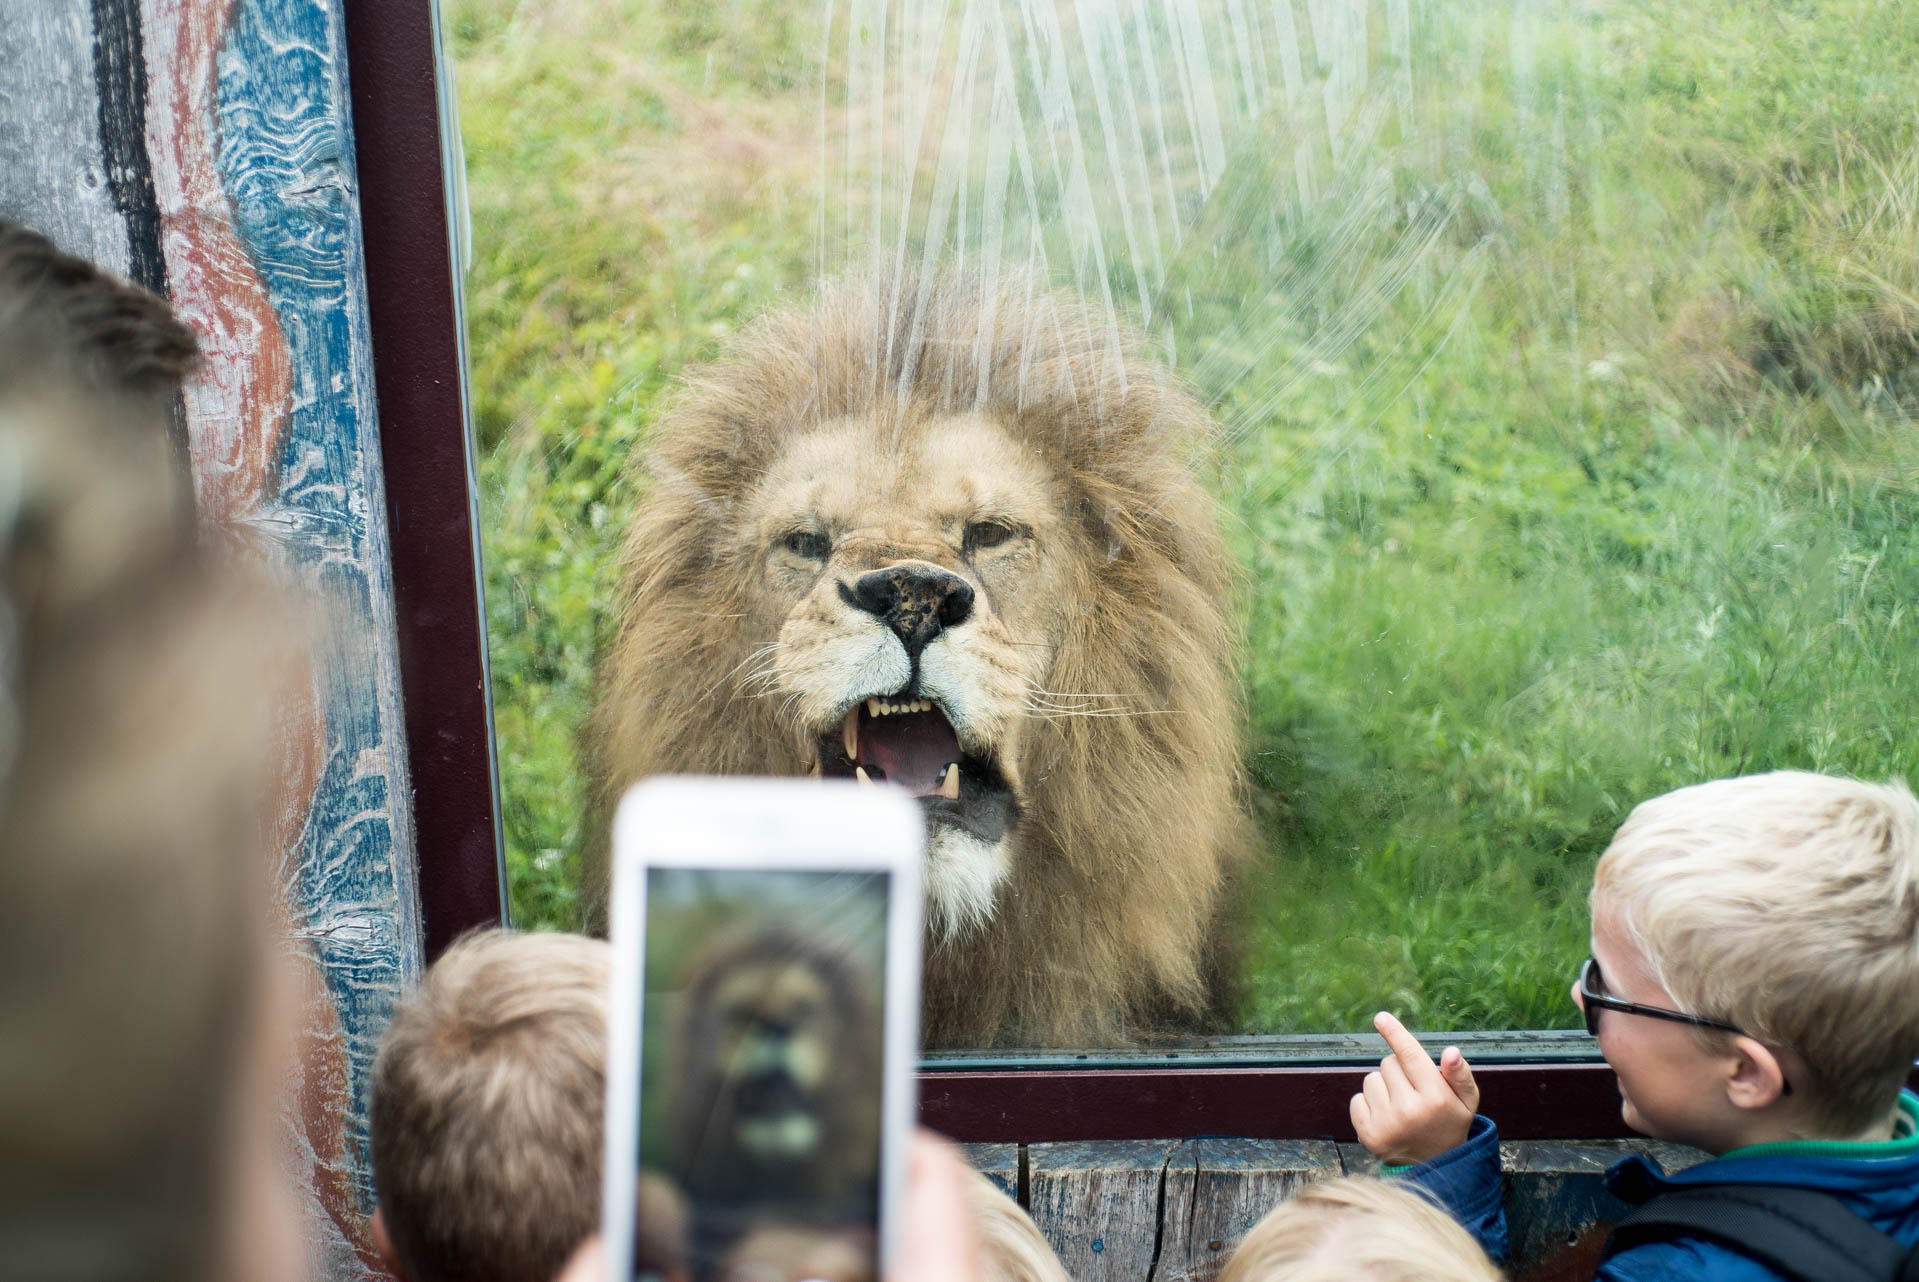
column 1560, row 361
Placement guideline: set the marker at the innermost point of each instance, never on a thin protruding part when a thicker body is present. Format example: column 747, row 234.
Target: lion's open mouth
column 911, row 744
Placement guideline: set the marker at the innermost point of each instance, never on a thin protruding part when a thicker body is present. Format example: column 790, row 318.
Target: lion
column 759, row 1107
column 949, row 537
column 773, row 1093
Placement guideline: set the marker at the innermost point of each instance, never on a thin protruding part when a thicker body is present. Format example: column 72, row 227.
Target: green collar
column 1904, row 1141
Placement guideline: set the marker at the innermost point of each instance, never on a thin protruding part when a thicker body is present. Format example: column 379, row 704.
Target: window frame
column 1540, row 1085
column 419, row 369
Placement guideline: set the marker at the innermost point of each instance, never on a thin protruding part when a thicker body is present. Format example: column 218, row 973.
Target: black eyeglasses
column 1592, row 993
column 1593, row 999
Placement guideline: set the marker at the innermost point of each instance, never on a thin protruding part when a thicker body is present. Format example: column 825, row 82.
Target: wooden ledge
column 1174, row 1210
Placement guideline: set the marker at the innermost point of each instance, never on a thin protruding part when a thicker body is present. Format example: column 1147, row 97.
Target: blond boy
column 1358, row 1230
column 487, row 1111
column 1755, row 985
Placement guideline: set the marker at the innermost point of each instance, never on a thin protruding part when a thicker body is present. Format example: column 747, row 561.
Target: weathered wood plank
column 1176, row 1211
column 1557, row 1206
column 998, row 1163
column 53, row 171
column 1217, row 1189
column 1098, row 1205
column 299, row 468
column 1355, row 1160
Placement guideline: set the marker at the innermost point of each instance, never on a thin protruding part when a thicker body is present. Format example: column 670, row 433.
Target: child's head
column 1011, row 1248
column 1785, row 904
column 486, row 1111
column 1358, row 1230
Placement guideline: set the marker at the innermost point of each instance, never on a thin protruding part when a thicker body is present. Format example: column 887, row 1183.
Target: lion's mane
column 1132, row 821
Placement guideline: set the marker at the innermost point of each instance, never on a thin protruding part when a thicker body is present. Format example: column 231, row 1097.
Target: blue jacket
column 1883, row 1189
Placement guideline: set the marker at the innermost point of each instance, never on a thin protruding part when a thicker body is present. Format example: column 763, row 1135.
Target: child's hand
column 1409, row 1110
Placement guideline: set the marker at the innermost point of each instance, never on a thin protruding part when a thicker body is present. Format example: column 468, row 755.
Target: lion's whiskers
column 762, row 679
column 1062, row 714
column 1056, row 705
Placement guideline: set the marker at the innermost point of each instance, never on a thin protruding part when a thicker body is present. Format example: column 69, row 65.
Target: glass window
column 1559, row 364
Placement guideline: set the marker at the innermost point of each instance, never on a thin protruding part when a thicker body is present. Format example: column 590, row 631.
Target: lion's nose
column 916, row 601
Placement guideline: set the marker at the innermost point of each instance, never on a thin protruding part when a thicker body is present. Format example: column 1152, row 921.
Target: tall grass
column 1568, row 434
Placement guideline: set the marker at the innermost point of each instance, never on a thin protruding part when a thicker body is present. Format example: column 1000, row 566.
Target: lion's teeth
column 860, row 773
column 814, row 773
column 949, row 785
column 890, row 708
column 850, row 733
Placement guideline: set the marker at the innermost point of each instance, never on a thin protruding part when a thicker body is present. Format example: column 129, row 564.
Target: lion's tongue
column 912, row 748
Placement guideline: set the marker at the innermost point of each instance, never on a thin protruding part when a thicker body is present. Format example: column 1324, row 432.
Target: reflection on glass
column 1563, row 356
column 760, row 1077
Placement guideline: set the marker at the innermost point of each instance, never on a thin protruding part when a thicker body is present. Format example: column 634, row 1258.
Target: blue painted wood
column 286, row 163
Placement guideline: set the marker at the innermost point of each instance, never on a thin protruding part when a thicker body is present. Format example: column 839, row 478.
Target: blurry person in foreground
column 143, row 1036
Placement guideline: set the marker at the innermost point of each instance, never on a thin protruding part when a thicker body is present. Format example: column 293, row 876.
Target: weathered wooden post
column 205, row 149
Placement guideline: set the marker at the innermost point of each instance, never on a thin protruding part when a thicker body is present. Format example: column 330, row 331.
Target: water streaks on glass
column 1563, row 357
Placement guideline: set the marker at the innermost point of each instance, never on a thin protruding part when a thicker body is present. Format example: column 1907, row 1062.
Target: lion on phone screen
column 950, row 538
column 773, row 1093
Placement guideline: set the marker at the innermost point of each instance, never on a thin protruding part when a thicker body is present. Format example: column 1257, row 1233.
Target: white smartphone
column 763, row 1036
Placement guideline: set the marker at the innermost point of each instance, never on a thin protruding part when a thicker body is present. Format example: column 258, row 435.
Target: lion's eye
column 807, row 543
column 982, row 535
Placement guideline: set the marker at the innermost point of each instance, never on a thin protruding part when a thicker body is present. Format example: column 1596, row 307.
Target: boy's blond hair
column 1011, row 1248
column 1354, row 1229
column 1788, row 904
column 487, row 1109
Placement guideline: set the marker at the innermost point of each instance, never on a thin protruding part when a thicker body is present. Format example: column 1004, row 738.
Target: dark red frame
column 1530, row 1101
column 419, row 370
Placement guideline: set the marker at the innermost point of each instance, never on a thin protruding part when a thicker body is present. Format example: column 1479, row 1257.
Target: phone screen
column 760, row 1075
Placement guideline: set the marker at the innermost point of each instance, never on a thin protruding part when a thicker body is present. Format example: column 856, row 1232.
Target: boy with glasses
column 1755, row 985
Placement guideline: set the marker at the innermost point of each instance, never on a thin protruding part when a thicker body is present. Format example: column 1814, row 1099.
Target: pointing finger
column 1412, row 1057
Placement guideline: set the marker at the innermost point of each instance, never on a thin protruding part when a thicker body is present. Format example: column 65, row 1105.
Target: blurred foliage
column 1569, row 447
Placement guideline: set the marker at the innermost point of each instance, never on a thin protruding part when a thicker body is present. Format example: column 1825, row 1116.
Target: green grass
column 1568, row 432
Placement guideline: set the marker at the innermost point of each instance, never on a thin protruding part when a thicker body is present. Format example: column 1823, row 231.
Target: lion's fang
column 850, row 733
column 949, row 783
column 860, row 772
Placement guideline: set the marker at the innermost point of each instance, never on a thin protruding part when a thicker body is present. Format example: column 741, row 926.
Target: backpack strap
column 1802, row 1234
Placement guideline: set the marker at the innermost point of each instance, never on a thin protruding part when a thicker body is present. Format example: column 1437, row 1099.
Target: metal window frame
column 419, row 366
